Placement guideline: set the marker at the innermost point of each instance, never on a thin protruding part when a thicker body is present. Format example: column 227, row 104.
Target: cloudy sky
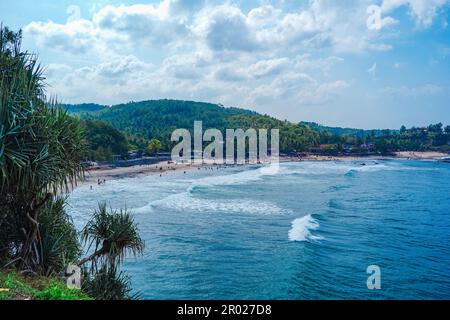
column 365, row 63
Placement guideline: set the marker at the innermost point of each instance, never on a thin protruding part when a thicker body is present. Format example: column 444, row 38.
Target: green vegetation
column 104, row 140
column 348, row 132
column 83, row 107
column 109, row 284
column 154, row 146
column 293, row 137
column 59, row 240
column 147, row 121
column 153, row 121
column 41, row 149
column 434, row 137
column 111, row 235
column 16, row 286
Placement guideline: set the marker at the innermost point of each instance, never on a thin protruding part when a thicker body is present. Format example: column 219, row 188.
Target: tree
column 112, row 235
column 435, row 128
column 104, row 139
column 103, row 154
column 154, row 146
column 447, row 129
column 41, row 148
column 402, row 129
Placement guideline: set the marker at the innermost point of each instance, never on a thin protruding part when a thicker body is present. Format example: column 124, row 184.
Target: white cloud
column 262, row 83
column 76, row 36
column 321, row 24
column 423, row 11
column 220, row 28
column 112, row 28
column 266, row 55
column 140, row 22
column 224, row 27
column 264, row 68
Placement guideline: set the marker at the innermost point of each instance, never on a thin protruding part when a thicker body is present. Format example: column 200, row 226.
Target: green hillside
column 84, row 107
column 350, row 132
column 158, row 118
column 140, row 122
column 104, row 140
column 146, row 120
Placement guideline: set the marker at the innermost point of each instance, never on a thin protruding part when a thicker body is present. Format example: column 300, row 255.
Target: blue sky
column 366, row 63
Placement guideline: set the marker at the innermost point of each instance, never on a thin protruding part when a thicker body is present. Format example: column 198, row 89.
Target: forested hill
column 158, row 118
column 143, row 121
column 350, row 132
column 84, row 107
column 149, row 118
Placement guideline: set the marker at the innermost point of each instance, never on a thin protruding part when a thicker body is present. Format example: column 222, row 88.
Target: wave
column 186, row 202
column 301, row 229
column 243, row 177
column 337, row 168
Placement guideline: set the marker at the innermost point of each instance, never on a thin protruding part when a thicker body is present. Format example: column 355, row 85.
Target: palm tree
column 112, row 235
column 41, row 148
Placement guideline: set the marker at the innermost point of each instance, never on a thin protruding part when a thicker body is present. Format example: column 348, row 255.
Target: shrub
column 60, row 244
column 108, row 284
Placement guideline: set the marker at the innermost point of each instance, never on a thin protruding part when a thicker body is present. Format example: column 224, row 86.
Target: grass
column 14, row 286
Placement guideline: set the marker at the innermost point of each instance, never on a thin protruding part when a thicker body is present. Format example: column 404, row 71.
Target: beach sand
column 106, row 173
column 421, row 155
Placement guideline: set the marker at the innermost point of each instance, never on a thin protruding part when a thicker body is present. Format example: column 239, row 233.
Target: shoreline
column 92, row 176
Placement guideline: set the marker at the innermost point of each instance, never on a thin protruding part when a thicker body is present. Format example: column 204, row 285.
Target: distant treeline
column 147, row 126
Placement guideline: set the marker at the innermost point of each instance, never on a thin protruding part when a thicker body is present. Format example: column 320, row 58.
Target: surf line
column 200, row 311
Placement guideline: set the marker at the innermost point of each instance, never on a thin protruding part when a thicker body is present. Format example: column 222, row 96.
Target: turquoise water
column 308, row 232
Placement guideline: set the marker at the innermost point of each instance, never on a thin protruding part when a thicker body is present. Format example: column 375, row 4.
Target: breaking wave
column 186, row 202
column 302, row 227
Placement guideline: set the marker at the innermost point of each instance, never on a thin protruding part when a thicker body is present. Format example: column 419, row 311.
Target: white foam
column 301, row 229
column 243, row 177
column 186, row 202
column 338, row 168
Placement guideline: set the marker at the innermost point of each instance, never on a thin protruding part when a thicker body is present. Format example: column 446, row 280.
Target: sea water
column 308, row 232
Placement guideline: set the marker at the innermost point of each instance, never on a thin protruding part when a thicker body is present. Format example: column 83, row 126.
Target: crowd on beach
column 160, row 169
column 99, row 174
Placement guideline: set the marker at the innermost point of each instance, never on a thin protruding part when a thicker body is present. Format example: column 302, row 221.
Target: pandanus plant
column 111, row 236
column 41, row 148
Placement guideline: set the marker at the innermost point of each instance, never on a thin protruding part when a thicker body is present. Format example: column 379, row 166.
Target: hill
column 146, row 120
column 84, row 107
column 156, row 119
column 349, row 132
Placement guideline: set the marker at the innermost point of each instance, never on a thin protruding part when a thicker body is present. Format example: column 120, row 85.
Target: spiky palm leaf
column 41, row 147
column 112, row 235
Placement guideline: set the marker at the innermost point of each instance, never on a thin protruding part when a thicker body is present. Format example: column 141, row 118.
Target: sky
column 354, row 63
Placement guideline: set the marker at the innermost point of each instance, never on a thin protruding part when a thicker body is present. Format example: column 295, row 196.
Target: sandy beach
column 421, row 155
column 92, row 176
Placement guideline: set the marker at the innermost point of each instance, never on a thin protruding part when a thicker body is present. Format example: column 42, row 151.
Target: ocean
column 308, row 232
